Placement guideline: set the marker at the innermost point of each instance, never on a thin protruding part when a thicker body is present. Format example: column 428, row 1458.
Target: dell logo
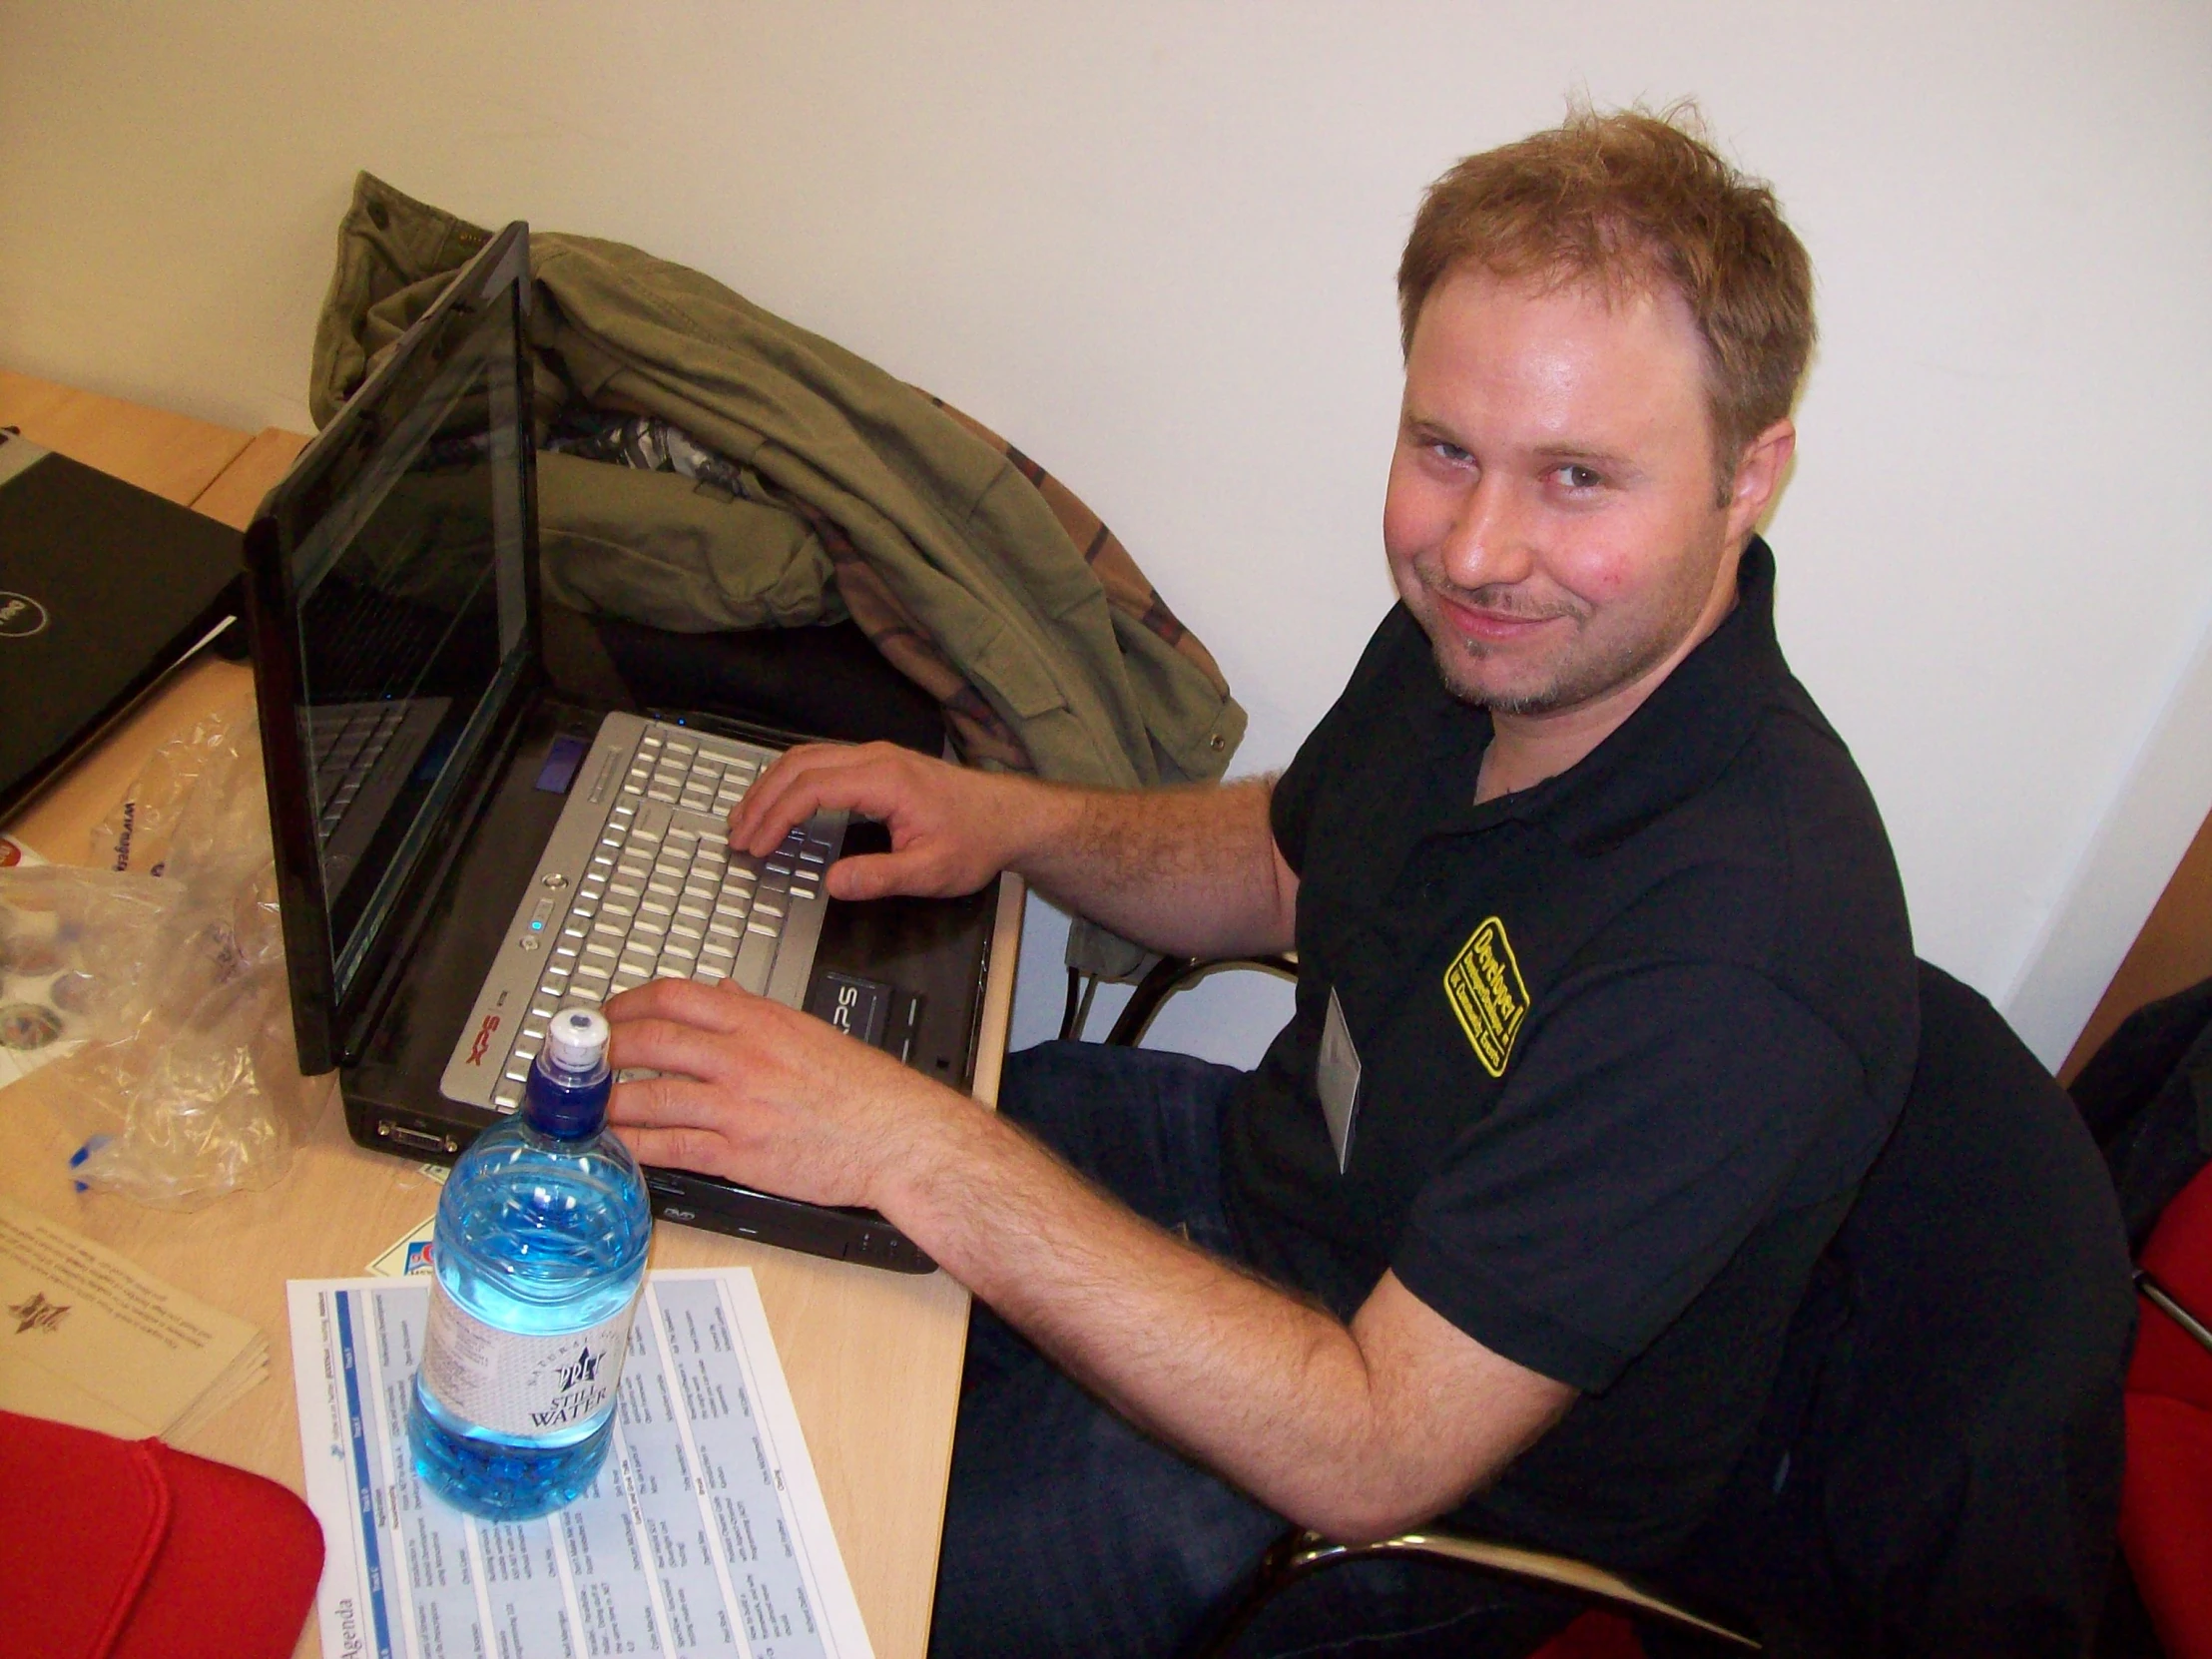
column 21, row 616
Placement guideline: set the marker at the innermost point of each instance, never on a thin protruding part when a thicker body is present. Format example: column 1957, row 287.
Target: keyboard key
column 755, row 962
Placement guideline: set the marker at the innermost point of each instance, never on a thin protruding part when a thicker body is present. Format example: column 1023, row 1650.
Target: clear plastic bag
column 186, row 1086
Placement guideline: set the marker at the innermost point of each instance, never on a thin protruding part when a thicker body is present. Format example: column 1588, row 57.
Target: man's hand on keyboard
column 951, row 830
column 765, row 1095
column 1190, row 869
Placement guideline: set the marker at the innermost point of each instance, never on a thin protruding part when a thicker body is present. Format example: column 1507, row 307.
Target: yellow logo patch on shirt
column 1484, row 987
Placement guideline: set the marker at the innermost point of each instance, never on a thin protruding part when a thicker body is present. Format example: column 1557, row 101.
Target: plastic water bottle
column 539, row 1258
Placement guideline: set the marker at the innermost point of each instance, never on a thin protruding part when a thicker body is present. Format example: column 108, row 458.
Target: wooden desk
column 874, row 1357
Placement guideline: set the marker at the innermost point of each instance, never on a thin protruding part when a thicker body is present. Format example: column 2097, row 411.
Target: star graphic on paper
column 37, row 1314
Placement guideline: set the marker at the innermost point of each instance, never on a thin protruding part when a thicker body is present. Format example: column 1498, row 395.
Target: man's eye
column 1577, row 477
column 1450, row 452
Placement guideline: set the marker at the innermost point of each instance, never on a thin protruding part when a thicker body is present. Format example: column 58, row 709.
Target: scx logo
column 21, row 616
column 483, row 1039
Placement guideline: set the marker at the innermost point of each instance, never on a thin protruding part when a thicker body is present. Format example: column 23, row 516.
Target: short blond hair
column 1629, row 201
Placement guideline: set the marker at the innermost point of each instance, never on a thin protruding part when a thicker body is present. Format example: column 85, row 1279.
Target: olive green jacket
column 952, row 550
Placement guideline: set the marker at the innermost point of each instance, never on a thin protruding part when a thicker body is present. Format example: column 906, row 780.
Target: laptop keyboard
column 663, row 897
column 348, row 742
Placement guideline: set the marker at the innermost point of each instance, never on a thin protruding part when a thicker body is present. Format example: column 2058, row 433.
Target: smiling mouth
column 1489, row 625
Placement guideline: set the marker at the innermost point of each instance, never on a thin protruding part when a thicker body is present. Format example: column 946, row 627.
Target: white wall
column 1154, row 243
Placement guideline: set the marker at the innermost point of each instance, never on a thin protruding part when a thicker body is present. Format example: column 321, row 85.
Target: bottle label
column 519, row 1384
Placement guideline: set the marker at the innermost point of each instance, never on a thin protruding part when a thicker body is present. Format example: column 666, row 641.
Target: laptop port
column 416, row 1140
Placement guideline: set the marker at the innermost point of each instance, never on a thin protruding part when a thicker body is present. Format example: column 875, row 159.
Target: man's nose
column 1488, row 541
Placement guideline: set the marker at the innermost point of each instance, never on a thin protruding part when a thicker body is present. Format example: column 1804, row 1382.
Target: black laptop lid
column 393, row 623
column 103, row 588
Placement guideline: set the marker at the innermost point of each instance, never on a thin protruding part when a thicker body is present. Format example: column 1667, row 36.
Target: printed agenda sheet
column 704, row 1535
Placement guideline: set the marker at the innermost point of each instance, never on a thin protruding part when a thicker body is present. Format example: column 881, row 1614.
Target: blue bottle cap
column 569, row 1083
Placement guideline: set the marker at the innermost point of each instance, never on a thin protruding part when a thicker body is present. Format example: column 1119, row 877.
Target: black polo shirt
column 1626, row 1042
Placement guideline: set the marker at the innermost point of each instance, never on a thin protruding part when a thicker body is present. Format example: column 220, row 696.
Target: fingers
column 670, row 1102
column 880, row 875
column 775, row 802
column 671, row 1045
column 692, row 1149
column 710, row 1007
column 808, row 779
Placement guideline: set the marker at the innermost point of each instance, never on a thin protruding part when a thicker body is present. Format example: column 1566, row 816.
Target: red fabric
column 77, row 1553
column 2168, row 1360
column 123, row 1549
column 1595, row 1637
column 2166, row 1517
column 2166, row 1495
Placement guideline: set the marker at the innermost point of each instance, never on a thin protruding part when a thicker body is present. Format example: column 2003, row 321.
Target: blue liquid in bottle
column 539, row 1259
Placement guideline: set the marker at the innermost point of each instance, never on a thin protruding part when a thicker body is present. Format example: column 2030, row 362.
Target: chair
column 2168, row 1490
column 1937, row 1469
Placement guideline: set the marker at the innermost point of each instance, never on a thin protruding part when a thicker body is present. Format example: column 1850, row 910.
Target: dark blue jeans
column 1068, row 1530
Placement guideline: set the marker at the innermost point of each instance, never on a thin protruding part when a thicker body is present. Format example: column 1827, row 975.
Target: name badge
column 1337, row 1079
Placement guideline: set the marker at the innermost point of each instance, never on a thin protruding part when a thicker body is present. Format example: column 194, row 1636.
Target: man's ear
column 1758, row 475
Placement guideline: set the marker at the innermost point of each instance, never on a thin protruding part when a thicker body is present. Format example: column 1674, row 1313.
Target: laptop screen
column 410, row 613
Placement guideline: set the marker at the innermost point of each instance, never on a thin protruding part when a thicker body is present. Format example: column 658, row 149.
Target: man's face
column 1551, row 518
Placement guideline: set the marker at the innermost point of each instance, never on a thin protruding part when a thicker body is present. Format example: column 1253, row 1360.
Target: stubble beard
column 1579, row 671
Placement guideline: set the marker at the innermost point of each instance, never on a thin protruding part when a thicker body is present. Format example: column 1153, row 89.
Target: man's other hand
column 952, row 829
column 762, row 1094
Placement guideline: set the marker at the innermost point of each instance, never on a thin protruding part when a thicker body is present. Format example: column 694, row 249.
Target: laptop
column 462, row 850
column 104, row 589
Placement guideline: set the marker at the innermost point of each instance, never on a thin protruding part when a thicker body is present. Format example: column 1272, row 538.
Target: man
column 1605, row 996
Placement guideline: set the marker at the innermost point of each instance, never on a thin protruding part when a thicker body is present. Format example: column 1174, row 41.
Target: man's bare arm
column 1358, row 1431
column 1190, row 871
column 1355, row 1430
